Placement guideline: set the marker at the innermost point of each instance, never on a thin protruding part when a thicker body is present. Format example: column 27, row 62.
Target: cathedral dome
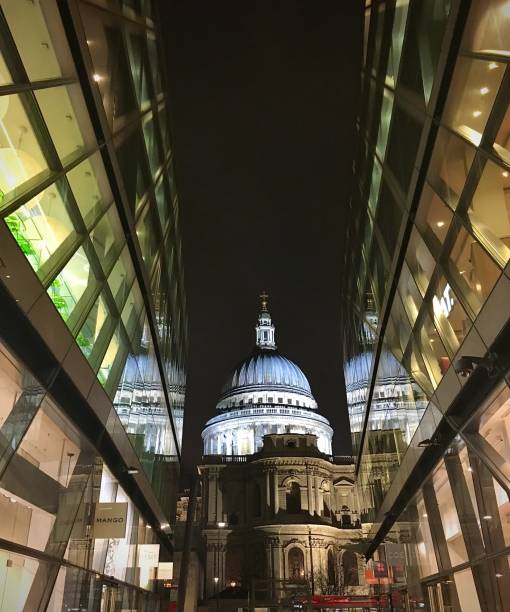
column 266, row 393
column 269, row 370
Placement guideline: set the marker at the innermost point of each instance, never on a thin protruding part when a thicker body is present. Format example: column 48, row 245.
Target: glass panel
column 449, row 166
column 502, row 144
column 427, row 561
column 449, row 317
column 420, row 261
column 403, row 145
column 138, row 64
column 111, row 70
column 425, row 29
column 151, row 143
column 121, row 277
column 131, row 313
column 433, row 219
column 397, row 39
column 488, row 27
column 466, row 590
column 147, row 237
column 113, row 362
column 66, row 116
column 42, row 46
column 374, row 185
column 162, row 202
column 70, row 285
column 131, row 156
column 154, row 63
column 21, row 157
column 90, row 187
column 472, row 271
column 389, row 219
column 433, row 351
column 17, row 574
column 108, row 238
column 449, row 516
column 384, row 125
column 43, row 483
column 42, row 225
column 408, row 290
column 471, row 96
column 489, row 211
column 5, row 75
column 98, row 320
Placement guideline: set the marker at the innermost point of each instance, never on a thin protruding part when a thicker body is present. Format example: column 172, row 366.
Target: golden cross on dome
column 264, row 297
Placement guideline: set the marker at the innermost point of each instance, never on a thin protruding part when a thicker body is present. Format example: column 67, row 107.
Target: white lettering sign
column 148, row 555
column 446, row 301
column 165, row 570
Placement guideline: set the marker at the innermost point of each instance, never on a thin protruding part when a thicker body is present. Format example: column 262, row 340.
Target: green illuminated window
column 90, row 187
column 42, row 225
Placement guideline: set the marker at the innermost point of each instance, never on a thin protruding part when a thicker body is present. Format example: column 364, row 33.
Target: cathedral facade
column 276, row 505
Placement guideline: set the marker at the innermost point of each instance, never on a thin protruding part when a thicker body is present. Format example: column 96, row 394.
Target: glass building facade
column 426, row 317
column 93, row 328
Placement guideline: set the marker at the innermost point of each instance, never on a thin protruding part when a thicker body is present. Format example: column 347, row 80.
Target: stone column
column 310, row 493
column 317, row 495
column 219, row 502
column 211, row 497
column 276, row 505
column 268, row 494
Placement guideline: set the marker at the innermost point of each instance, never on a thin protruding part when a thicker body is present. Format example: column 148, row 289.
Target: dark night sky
column 264, row 98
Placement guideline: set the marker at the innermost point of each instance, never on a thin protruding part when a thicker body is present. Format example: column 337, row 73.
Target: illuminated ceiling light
column 498, row 575
column 493, row 66
column 470, row 469
column 7, row 276
column 462, row 272
column 216, row 579
column 425, row 515
column 440, row 223
column 97, row 77
column 164, row 525
column 12, row 500
column 504, row 173
column 222, row 524
column 477, row 113
column 484, row 91
column 487, row 517
column 478, row 287
column 132, row 471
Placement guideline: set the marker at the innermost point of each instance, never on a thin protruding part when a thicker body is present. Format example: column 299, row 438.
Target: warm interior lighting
column 498, row 575
column 97, row 77
column 493, row 66
column 478, row 287
column 470, row 469
column 222, row 524
column 487, row 517
column 477, row 113
column 504, row 174
column 440, row 223
column 425, row 515
column 484, row 91
column 216, row 579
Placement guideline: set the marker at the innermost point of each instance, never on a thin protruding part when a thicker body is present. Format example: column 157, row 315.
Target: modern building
column 93, row 330
column 277, row 507
column 266, row 393
column 426, row 316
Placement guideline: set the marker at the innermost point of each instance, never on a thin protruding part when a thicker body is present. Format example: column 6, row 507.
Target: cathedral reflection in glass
column 430, row 238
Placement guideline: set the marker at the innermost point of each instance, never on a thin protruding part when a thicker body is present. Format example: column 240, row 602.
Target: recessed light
column 462, row 272
column 478, row 287
column 498, row 575
column 484, row 90
column 440, row 223
column 487, row 517
column 477, row 113
column 13, row 501
column 7, row 276
column 97, row 77
column 504, row 173
column 493, row 66
column 470, row 469
column 425, row 515
column 132, row 470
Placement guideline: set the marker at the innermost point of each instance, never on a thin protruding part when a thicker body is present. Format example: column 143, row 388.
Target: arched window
column 350, row 567
column 257, row 501
column 296, row 564
column 331, row 568
column 293, row 498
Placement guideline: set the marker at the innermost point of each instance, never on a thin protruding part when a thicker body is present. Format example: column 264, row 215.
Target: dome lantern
column 265, row 329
